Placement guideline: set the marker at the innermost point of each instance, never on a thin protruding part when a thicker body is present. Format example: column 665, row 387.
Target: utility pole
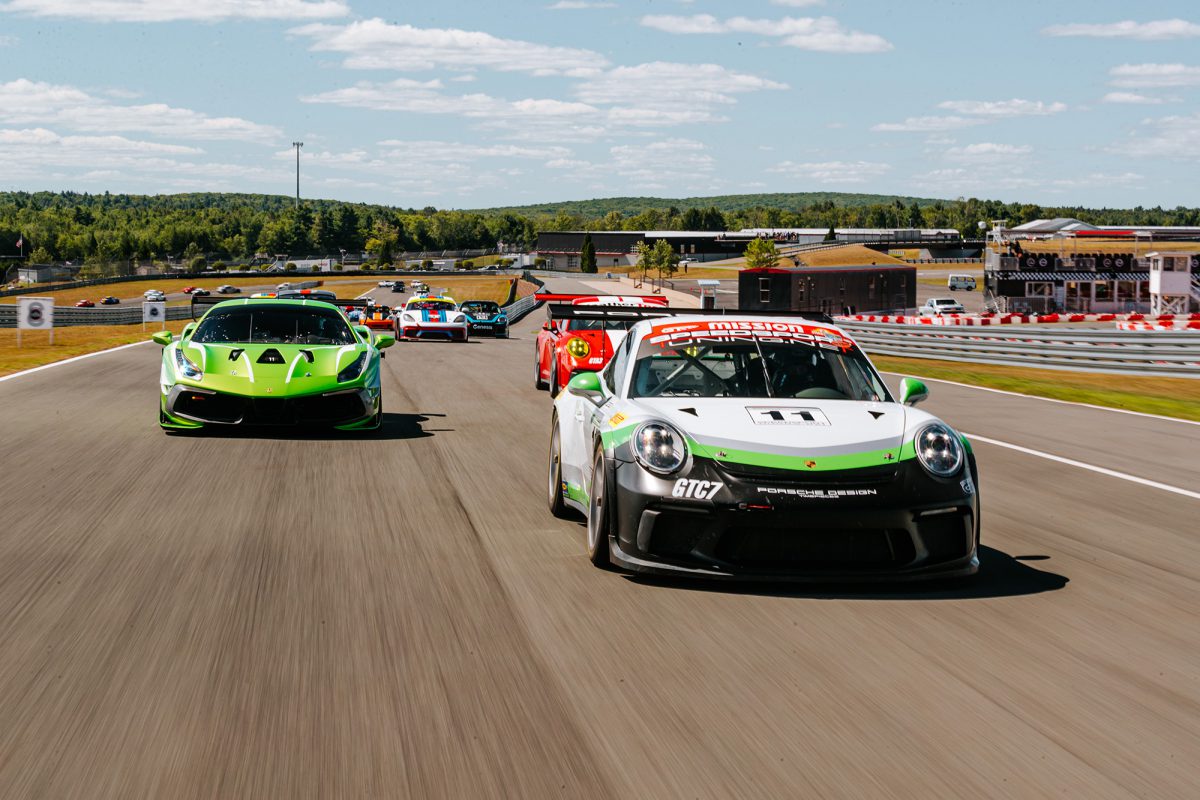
column 297, row 145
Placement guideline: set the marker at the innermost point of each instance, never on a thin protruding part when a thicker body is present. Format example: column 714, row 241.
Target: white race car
column 430, row 317
column 765, row 447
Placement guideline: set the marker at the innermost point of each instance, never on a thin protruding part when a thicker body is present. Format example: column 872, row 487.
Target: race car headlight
column 185, row 367
column 659, row 448
column 355, row 369
column 939, row 450
column 408, row 318
column 578, row 348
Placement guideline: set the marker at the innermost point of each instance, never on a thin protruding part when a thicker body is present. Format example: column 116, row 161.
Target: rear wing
column 573, row 311
column 203, row 303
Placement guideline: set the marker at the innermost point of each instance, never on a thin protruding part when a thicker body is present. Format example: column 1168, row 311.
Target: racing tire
column 554, row 387
column 538, row 383
column 554, row 475
column 597, row 521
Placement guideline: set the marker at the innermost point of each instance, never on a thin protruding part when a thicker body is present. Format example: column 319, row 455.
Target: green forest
column 103, row 229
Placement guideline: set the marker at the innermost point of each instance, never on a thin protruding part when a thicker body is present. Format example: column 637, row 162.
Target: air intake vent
column 271, row 356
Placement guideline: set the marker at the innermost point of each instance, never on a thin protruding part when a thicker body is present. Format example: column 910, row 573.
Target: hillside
column 629, row 206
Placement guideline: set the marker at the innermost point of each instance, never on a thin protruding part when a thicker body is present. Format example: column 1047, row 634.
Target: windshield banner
column 673, row 335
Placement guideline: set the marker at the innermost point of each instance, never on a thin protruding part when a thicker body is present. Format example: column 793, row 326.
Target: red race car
column 567, row 346
column 377, row 318
column 85, row 304
column 189, row 289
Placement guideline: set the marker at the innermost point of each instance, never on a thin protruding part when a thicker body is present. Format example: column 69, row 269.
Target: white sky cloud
column 570, row 5
column 1175, row 137
column 831, row 171
column 797, row 3
column 1157, row 30
column 173, row 10
column 376, row 44
column 25, row 102
column 988, row 152
column 1131, row 98
column 927, row 124
column 823, row 34
column 1154, row 76
column 1002, row 108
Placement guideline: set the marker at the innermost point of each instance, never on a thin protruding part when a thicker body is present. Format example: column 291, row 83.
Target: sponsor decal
column 818, row 494
column 695, row 490
column 682, row 335
column 968, row 486
column 595, row 360
column 769, row 415
column 616, row 419
column 810, row 464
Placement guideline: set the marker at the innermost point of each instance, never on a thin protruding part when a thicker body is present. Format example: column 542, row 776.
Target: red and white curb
column 1182, row 322
column 1170, row 325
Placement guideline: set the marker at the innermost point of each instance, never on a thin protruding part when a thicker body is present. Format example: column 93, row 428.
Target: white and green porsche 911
column 762, row 447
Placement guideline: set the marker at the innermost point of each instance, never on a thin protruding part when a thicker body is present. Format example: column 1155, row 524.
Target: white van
column 956, row 282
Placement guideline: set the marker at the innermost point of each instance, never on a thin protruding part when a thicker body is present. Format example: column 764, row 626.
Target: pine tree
column 587, row 255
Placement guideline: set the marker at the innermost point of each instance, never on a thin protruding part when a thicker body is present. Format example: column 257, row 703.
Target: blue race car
column 485, row 316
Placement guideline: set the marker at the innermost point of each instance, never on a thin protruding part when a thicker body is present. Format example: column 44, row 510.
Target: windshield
column 481, row 307
column 756, row 368
column 275, row 325
column 600, row 324
column 429, row 305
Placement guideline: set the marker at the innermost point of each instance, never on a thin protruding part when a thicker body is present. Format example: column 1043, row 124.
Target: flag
column 21, row 242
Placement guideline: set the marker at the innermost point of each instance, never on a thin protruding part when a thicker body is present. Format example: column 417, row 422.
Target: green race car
column 271, row 362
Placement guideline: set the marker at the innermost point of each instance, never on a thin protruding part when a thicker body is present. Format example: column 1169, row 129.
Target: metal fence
column 1159, row 353
column 69, row 316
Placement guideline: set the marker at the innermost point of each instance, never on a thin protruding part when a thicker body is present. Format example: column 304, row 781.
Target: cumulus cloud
column 1132, row 98
column 1157, row 30
column 831, row 171
column 26, row 102
column 1154, row 76
column 822, row 34
column 988, row 152
column 1003, row 108
column 1174, row 137
column 376, row 44
column 176, row 10
column 927, row 124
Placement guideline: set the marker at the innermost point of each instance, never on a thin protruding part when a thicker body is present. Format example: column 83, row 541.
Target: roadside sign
column 154, row 311
column 35, row 314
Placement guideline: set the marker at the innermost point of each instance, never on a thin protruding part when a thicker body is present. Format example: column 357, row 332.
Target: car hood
column 240, row 368
column 810, row 434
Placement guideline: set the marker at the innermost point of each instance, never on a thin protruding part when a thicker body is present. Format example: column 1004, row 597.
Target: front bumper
column 887, row 524
column 452, row 333
column 189, row 407
column 492, row 328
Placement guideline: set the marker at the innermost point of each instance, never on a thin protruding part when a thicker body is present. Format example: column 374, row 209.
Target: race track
column 266, row 616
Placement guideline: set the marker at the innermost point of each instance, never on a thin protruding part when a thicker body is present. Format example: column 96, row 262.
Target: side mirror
column 162, row 337
column 363, row 331
column 587, row 385
column 384, row 340
column 912, row 391
column 547, row 325
column 187, row 330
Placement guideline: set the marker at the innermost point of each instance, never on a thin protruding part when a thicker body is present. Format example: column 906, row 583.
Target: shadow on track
column 395, row 427
column 1000, row 575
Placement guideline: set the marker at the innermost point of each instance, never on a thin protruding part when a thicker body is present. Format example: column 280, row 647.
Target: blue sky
column 464, row 104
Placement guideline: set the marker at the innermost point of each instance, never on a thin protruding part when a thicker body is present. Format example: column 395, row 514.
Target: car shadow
column 395, row 427
column 1000, row 575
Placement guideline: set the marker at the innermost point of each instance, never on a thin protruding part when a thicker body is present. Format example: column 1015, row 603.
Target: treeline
column 108, row 228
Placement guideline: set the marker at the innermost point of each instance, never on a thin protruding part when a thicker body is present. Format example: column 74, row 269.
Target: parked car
column 110, row 301
column 937, row 306
column 956, row 282
column 85, row 304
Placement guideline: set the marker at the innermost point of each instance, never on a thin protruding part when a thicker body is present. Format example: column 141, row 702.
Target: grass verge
column 36, row 349
column 1170, row 397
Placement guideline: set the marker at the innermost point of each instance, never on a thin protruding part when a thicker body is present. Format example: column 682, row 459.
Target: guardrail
column 1158, row 353
column 69, row 316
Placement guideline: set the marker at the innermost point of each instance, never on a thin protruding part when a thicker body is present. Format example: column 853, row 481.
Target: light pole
column 297, row 145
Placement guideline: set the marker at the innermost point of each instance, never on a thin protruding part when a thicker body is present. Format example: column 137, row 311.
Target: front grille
column 210, row 407
column 947, row 537
column 311, row 410
column 815, row 549
column 329, row 408
column 674, row 535
column 864, row 476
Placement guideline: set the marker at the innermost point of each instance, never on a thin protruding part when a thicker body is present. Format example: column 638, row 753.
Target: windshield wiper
column 762, row 360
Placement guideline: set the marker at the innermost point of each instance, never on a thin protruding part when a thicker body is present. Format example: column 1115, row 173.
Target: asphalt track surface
column 266, row 616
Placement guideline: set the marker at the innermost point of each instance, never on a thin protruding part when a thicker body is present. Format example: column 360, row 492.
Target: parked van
column 956, row 282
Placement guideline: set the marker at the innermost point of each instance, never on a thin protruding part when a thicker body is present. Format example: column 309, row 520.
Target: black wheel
column 597, row 521
column 554, row 495
column 538, row 383
column 554, row 387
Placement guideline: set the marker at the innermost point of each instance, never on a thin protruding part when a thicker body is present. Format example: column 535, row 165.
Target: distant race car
column 762, row 447
column 200, row 292
column 271, row 362
column 110, row 301
column 398, row 287
column 566, row 346
column 431, row 317
column 154, row 295
column 226, row 288
column 85, row 304
column 384, row 284
column 485, row 316
column 378, row 318
column 188, row 289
